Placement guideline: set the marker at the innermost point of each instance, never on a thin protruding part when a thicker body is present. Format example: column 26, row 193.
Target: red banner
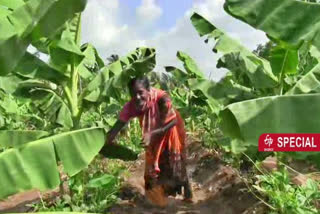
column 289, row 142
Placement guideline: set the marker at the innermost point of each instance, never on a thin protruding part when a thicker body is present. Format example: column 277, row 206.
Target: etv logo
column 268, row 141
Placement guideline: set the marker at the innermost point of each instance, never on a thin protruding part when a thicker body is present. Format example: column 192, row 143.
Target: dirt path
column 216, row 189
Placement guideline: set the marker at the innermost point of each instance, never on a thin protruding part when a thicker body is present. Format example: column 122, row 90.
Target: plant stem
column 281, row 77
column 71, row 92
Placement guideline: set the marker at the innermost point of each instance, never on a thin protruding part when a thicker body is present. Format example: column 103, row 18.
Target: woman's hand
column 110, row 140
column 146, row 139
column 148, row 136
column 111, row 135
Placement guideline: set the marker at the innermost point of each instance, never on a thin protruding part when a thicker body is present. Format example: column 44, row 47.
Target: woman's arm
column 159, row 131
column 111, row 135
column 165, row 128
column 165, row 109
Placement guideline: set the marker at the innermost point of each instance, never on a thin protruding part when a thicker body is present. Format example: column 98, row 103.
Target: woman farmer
column 163, row 138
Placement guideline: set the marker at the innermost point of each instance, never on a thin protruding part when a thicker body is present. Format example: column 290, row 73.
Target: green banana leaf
column 18, row 28
column 137, row 63
column 91, row 63
column 314, row 52
column 11, row 51
column 15, row 138
column 247, row 120
column 45, row 97
column 56, row 17
column 9, row 105
column 236, row 58
column 9, row 83
column 225, row 91
column 12, row 4
column 31, row 83
column 64, row 117
column 106, row 181
column 56, row 109
column 65, row 49
column 193, row 79
column 74, row 27
column 64, row 52
column 284, row 60
column 190, row 65
column 179, row 76
column 280, row 19
column 4, row 12
column 309, row 83
column 34, row 164
column 32, row 67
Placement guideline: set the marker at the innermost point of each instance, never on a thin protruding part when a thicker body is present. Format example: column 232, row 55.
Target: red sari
column 165, row 156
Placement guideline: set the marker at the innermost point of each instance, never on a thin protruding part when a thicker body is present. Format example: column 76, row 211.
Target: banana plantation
column 56, row 114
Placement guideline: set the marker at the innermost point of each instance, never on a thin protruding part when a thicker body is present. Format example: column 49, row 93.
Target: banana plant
column 263, row 77
column 75, row 73
column 189, row 80
column 290, row 112
column 276, row 109
column 236, row 58
column 76, row 76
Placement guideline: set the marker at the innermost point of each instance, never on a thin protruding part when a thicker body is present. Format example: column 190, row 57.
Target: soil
column 217, row 188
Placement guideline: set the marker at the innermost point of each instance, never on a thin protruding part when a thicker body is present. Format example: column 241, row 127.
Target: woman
column 163, row 138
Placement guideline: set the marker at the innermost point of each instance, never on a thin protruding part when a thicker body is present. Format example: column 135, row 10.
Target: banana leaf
column 236, row 58
column 137, row 63
column 292, row 21
column 56, row 17
column 309, row 83
column 30, row 22
column 12, row 4
column 34, row 164
column 190, row 65
column 91, row 63
column 11, row 51
column 64, row 117
column 74, row 27
column 32, row 67
column 224, row 91
column 247, row 120
column 64, row 52
column 9, row 105
column 15, row 138
column 9, row 83
column 180, row 77
column 284, row 60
